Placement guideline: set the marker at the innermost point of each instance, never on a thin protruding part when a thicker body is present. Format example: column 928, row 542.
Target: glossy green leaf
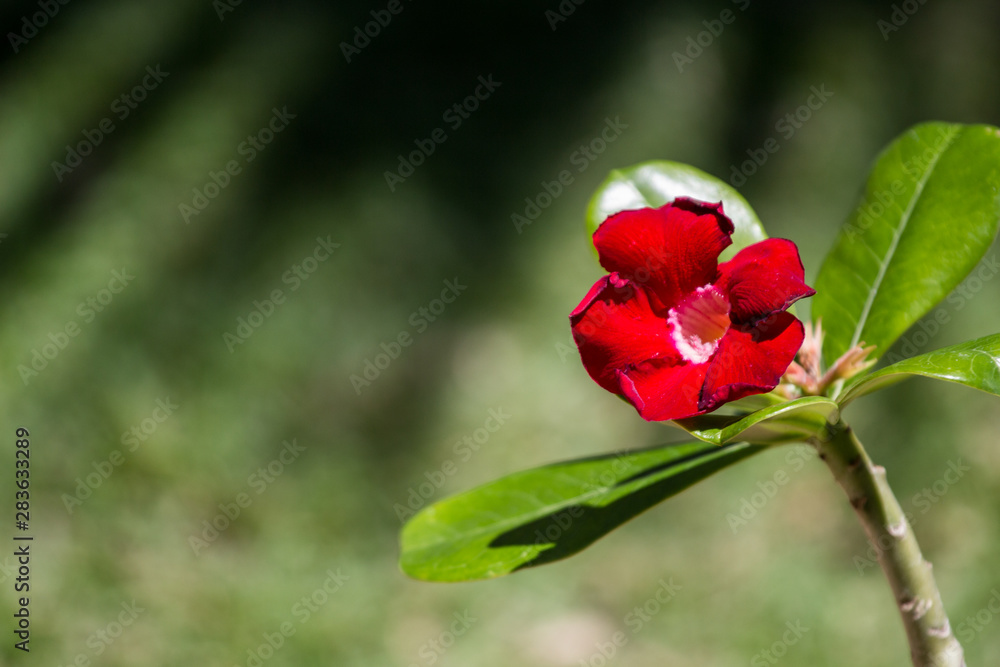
column 653, row 184
column 929, row 212
column 786, row 422
column 542, row 515
column 975, row 364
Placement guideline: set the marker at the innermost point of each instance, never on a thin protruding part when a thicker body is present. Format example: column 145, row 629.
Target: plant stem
column 932, row 642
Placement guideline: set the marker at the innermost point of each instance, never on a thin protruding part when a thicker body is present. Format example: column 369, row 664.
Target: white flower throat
column 699, row 322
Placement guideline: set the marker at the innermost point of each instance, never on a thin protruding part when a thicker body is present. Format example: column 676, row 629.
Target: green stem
column 932, row 642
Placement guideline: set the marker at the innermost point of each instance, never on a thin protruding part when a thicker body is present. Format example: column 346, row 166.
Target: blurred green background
column 313, row 550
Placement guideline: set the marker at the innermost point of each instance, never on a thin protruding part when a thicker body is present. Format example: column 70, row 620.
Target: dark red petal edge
column 763, row 278
column 661, row 391
column 751, row 360
column 615, row 329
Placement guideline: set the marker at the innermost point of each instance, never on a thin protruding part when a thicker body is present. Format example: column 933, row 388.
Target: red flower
column 675, row 332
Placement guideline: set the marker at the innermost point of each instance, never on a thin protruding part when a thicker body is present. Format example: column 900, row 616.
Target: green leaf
column 786, row 422
column 929, row 212
column 542, row 515
column 653, row 184
column 975, row 364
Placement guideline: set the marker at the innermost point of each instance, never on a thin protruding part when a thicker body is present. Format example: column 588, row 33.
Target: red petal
column 763, row 278
column 751, row 360
column 615, row 328
column 661, row 391
column 672, row 249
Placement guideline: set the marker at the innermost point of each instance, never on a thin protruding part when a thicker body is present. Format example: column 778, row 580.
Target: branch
column 932, row 643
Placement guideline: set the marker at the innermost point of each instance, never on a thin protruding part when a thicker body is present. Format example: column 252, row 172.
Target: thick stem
column 932, row 643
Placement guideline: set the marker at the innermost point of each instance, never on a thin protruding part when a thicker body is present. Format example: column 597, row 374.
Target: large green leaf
column 929, row 212
column 975, row 364
column 786, row 422
column 653, row 184
column 546, row 514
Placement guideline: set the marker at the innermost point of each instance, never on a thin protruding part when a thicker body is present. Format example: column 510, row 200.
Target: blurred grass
column 502, row 343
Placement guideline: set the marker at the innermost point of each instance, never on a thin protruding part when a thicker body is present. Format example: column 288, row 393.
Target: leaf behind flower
column 653, row 184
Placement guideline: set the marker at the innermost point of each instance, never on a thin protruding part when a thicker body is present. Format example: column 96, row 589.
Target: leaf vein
column 897, row 235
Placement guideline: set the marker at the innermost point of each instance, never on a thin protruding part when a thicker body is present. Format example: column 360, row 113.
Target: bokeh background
column 125, row 536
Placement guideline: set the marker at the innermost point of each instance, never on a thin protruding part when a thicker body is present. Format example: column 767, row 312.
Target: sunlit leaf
column 930, row 210
column 975, row 363
column 787, row 422
column 538, row 516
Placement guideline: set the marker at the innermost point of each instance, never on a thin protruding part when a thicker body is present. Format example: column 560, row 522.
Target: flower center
column 699, row 322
